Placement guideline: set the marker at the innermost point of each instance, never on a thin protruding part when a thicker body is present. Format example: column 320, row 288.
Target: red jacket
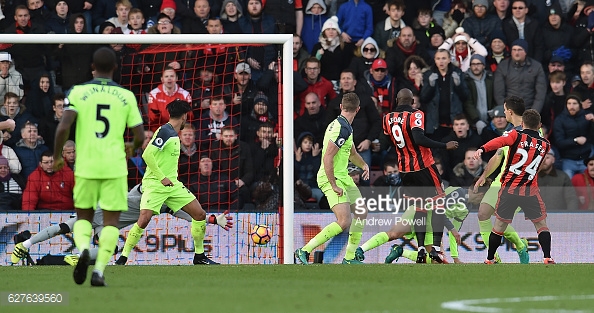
column 584, row 189
column 323, row 88
column 158, row 101
column 49, row 192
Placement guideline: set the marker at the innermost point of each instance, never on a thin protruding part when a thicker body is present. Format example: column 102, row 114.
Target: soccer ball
column 260, row 234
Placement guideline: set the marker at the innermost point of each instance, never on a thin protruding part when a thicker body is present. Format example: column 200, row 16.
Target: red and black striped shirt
column 527, row 150
column 399, row 125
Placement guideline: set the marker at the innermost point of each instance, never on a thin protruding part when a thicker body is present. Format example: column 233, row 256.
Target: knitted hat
column 260, row 97
column 436, row 30
column 168, row 4
column 521, row 43
column 556, row 59
column 484, row 3
column 478, row 57
column 3, row 160
column 497, row 34
column 460, row 38
column 331, row 23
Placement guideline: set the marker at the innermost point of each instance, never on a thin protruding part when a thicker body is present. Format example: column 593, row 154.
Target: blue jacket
column 29, row 157
column 356, row 19
column 567, row 127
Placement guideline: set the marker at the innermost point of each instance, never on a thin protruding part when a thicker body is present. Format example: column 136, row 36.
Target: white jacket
column 474, row 47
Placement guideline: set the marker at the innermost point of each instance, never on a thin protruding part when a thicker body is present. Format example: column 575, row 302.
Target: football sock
column 410, row 254
column 198, row 230
column 437, row 224
column 420, row 226
column 375, row 241
column 453, row 245
column 82, row 230
column 93, row 253
column 133, row 238
column 353, row 243
column 511, row 235
column 107, row 242
column 43, row 235
column 494, row 242
column 326, row 234
column 544, row 238
column 485, row 229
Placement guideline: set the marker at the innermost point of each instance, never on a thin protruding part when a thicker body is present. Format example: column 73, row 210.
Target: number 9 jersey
column 104, row 109
column 399, row 125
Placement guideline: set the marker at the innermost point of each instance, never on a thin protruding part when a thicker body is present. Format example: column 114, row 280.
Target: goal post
column 286, row 211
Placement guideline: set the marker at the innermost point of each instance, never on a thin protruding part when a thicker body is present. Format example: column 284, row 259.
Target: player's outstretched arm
column 151, row 162
column 422, row 140
column 357, row 159
column 62, row 133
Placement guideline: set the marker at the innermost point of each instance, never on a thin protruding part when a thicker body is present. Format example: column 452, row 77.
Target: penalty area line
column 475, row 305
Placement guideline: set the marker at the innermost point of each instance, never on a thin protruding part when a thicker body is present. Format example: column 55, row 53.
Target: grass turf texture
column 297, row 288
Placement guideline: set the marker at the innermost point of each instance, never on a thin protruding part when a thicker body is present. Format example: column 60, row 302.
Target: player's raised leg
column 21, row 249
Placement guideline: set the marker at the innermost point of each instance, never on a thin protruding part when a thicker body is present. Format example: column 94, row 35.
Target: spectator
column 58, row 21
column 573, row 132
column 69, row 153
column 212, row 121
column 316, row 83
column 259, row 115
column 136, row 164
column 454, row 17
column 257, row 22
column 480, row 98
column 364, row 57
column 436, row 38
column 300, row 55
column 423, row 24
column 388, row 31
column 496, row 128
column 76, row 59
column 212, row 189
column 498, row 51
column 188, row 158
column 120, row 20
column 412, row 78
column 161, row 96
column 244, row 90
column 288, row 15
column 11, row 187
column 555, row 100
column 556, row 189
column 307, row 163
column 29, row 59
column 13, row 160
column 30, row 148
column 481, row 24
column 202, row 89
column 462, row 48
column 157, row 62
column 502, row 9
column 367, row 123
column 169, row 8
column 443, row 94
column 390, row 177
column 49, row 190
column 355, row 10
column 10, row 79
column 48, row 126
column 196, row 24
column 135, row 24
column 313, row 21
column 466, row 171
column 333, row 52
column 466, row 139
column 405, row 46
column 233, row 157
column 520, row 26
column 231, row 12
column 584, row 185
column 521, row 76
column 265, row 153
column 586, row 87
column 382, row 86
column 164, row 25
column 39, row 98
column 17, row 112
column 557, row 37
column 313, row 120
column 39, row 13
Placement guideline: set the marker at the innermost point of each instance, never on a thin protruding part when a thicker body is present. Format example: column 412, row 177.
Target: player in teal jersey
column 334, row 180
column 103, row 110
column 513, row 108
column 160, row 184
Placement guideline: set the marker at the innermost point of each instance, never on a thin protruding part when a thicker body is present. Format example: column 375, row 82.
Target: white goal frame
column 287, row 65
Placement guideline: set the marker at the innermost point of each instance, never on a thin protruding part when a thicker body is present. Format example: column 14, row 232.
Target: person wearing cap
column 389, row 29
column 260, row 114
column 161, row 96
column 243, row 90
column 462, row 47
column 498, row 51
column 496, row 127
column 405, row 46
column 231, row 12
column 584, row 185
column 196, row 24
column 555, row 186
column 481, row 23
column 315, row 83
column 521, row 76
column 10, row 79
column 258, row 22
column 480, row 98
column 521, row 26
column 557, row 37
column 333, row 52
column 11, row 187
column 48, row 189
column 212, row 121
column 436, row 38
column 167, row 7
column 573, row 131
column 381, row 85
column 59, row 20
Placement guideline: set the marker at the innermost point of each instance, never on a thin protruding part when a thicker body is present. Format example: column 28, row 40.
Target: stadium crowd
column 460, row 58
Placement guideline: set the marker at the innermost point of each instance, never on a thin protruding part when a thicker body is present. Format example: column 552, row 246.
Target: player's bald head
column 404, row 97
column 104, row 60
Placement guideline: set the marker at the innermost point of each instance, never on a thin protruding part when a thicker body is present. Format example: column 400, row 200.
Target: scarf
column 408, row 51
column 520, row 27
column 481, row 94
column 461, row 56
column 330, row 44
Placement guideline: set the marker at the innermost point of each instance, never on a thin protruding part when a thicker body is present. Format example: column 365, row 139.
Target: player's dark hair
column 177, row 108
column 350, row 102
column 531, row 119
column 46, row 153
column 516, row 104
column 104, row 60
column 404, row 97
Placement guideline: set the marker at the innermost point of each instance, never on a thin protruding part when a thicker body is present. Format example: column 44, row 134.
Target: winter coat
column 12, row 83
column 360, row 12
column 554, row 38
column 312, row 25
column 526, row 80
column 461, row 176
column 557, row 191
column 333, row 62
column 323, row 88
column 566, row 128
column 481, row 28
column 382, row 32
column 315, row 124
column 367, row 123
column 473, row 47
column 20, row 119
column 49, row 192
column 29, row 156
column 395, row 57
column 470, row 104
column 532, row 34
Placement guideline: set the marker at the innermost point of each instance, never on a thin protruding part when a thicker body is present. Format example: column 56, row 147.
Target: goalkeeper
column 126, row 219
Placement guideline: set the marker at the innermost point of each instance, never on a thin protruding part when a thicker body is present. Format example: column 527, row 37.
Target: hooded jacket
column 361, row 12
column 382, row 32
column 29, row 156
column 360, row 64
column 312, row 25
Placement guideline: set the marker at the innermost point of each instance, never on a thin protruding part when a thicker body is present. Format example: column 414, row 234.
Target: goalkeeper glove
column 223, row 220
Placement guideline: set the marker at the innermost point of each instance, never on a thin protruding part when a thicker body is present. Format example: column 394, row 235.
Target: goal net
column 219, row 160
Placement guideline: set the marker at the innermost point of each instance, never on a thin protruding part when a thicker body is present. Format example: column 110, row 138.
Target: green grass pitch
column 314, row 288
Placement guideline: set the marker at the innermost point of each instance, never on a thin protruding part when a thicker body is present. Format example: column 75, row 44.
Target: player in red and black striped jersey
column 420, row 178
column 519, row 182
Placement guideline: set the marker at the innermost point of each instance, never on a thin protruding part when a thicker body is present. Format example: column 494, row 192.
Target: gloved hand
column 432, row 78
column 480, row 125
column 456, row 78
column 563, row 52
column 223, row 220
